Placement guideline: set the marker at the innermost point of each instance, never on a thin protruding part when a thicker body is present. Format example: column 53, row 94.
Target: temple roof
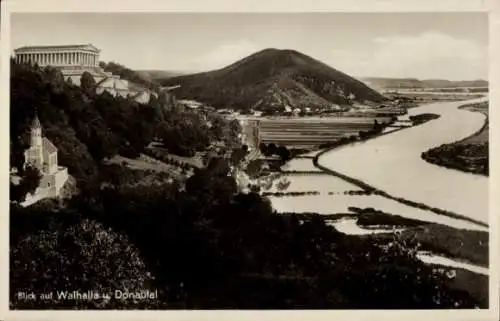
column 67, row 47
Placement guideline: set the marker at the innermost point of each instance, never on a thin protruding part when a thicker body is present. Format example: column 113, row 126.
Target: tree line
column 87, row 127
column 208, row 246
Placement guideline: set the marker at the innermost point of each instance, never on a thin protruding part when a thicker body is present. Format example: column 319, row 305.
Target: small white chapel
column 42, row 154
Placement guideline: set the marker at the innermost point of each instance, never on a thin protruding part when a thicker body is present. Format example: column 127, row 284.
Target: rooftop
column 74, row 47
column 49, row 146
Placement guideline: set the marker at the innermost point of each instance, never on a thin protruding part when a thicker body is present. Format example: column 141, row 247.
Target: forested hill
column 273, row 78
column 87, row 127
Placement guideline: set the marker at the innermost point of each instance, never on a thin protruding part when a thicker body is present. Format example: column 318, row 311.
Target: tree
column 84, row 256
column 87, row 82
column 263, row 148
column 30, row 180
column 238, row 155
column 272, row 149
column 376, row 126
column 284, row 153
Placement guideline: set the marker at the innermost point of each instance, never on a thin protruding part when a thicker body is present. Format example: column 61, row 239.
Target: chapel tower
column 35, row 154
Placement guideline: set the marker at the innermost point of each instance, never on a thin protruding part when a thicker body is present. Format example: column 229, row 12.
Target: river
column 393, row 162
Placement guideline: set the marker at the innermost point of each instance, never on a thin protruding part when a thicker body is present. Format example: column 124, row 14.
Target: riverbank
column 372, row 189
column 471, row 247
column 469, row 154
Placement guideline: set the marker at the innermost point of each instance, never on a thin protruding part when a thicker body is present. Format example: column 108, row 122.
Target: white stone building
column 42, row 154
column 74, row 60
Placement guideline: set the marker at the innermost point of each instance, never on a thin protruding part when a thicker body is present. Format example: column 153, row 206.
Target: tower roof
column 36, row 122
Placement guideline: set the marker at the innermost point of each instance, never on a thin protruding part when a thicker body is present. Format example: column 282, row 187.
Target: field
column 314, row 131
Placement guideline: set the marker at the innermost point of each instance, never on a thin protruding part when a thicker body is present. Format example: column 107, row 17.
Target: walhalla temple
column 73, row 61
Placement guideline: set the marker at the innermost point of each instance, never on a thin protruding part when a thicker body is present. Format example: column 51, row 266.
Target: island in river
column 393, row 164
column 470, row 154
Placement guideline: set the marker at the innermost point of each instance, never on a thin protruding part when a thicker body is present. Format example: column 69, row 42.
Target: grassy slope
column 272, row 76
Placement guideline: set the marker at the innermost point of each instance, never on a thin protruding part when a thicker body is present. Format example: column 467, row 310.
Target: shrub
column 84, row 256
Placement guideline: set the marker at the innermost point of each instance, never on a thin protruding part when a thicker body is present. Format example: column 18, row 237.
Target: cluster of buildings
column 74, row 60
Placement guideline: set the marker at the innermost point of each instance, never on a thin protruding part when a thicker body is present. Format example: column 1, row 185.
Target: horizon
column 385, row 45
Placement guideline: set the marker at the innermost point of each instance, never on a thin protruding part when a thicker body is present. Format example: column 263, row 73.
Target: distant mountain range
column 273, row 78
column 384, row 83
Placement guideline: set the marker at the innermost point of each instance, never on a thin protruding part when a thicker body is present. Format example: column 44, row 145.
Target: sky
column 449, row 45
